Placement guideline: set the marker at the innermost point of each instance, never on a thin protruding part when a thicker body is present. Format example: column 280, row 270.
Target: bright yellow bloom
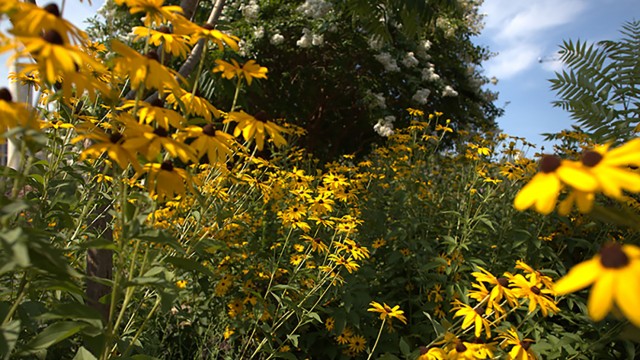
column 433, row 354
column 112, row 144
column 614, row 273
column 610, row 169
column 192, row 104
column 387, row 311
column 181, row 284
column 173, row 44
column 150, row 141
column 531, row 289
column 473, row 316
column 521, row 348
column 165, row 180
column 249, row 70
column 251, row 128
column 500, row 288
column 30, row 20
column 542, row 191
column 153, row 9
column 143, row 70
column 214, row 143
column 357, row 343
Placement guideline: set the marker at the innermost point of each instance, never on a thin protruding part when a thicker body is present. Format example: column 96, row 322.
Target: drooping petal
column 627, row 293
column 601, row 297
column 579, row 277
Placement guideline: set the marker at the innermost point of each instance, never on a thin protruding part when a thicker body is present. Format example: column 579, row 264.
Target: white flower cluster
column 375, row 43
column 410, row 60
column 448, row 91
column 388, row 62
column 258, row 32
column 276, row 39
column 421, row 96
column 422, row 49
column 447, row 26
column 315, row 8
column 384, row 127
column 429, row 73
column 251, row 10
column 308, row 39
column 377, row 100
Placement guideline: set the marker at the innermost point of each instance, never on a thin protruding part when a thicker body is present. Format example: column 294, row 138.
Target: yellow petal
column 577, row 177
column 601, row 296
column 628, row 293
column 579, row 277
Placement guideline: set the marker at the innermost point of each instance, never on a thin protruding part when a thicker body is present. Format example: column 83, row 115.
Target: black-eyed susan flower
column 192, row 104
column 357, row 343
column 30, row 20
column 150, row 141
column 249, row 71
column 155, row 113
column 387, row 312
column 472, row 316
column 500, row 289
column 174, row 44
column 208, row 141
column 110, row 143
column 207, row 32
column 143, row 70
column 610, row 167
column 543, row 189
column 54, row 57
column 521, row 349
column 614, row 274
column 165, row 180
column 252, row 128
column 434, row 353
column 155, row 11
column 532, row 290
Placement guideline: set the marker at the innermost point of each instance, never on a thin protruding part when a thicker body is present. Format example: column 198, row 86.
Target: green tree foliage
column 337, row 68
column 600, row 87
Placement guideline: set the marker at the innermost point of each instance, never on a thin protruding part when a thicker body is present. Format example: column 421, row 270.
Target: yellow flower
column 531, row 290
column 473, row 316
column 387, row 311
column 330, row 323
column 433, row 354
column 500, row 288
column 192, row 104
column 521, row 348
column 249, row 70
column 610, row 167
column 357, row 343
column 54, row 57
column 30, row 20
column 150, row 142
column 112, row 144
column 173, row 44
column 153, row 9
column 143, row 70
column 445, row 129
column 207, row 32
column 214, row 143
column 344, row 337
column 165, row 180
column 251, row 128
column 543, row 189
column 181, row 284
column 614, row 273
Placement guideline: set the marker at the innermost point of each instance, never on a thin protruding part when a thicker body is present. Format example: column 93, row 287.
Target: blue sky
column 520, row 32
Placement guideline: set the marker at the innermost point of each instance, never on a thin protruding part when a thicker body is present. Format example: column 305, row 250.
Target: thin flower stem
column 375, row 344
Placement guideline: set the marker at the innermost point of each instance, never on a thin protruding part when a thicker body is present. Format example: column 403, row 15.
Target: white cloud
column 519, row 31
column 513, row 60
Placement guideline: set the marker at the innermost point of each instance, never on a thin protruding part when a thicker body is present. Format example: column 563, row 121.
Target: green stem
column 375, row 344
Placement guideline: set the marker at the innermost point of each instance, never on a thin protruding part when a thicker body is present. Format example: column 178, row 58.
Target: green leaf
column 84, row 354
column 293, row 339
column 404, row 347
column 53, row 334
column 188, row 264
column 8, row 337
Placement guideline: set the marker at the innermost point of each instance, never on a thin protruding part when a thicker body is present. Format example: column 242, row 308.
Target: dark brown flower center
column 167, row 165
column 157, row 102
column 52, row 9
column 53, row 37
column 503, row 281
column 526, row 344
column 262, row 116
column 535, row 290
column 460, row 348
column 612, row 256
column 480, row 310
column 208, row 26
column 164, row 29
column 5, row 95
column 591, row 158
column 153, row 55
column 209, row 129
column 162, row 132
column 549, row 163
column 116, row 138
